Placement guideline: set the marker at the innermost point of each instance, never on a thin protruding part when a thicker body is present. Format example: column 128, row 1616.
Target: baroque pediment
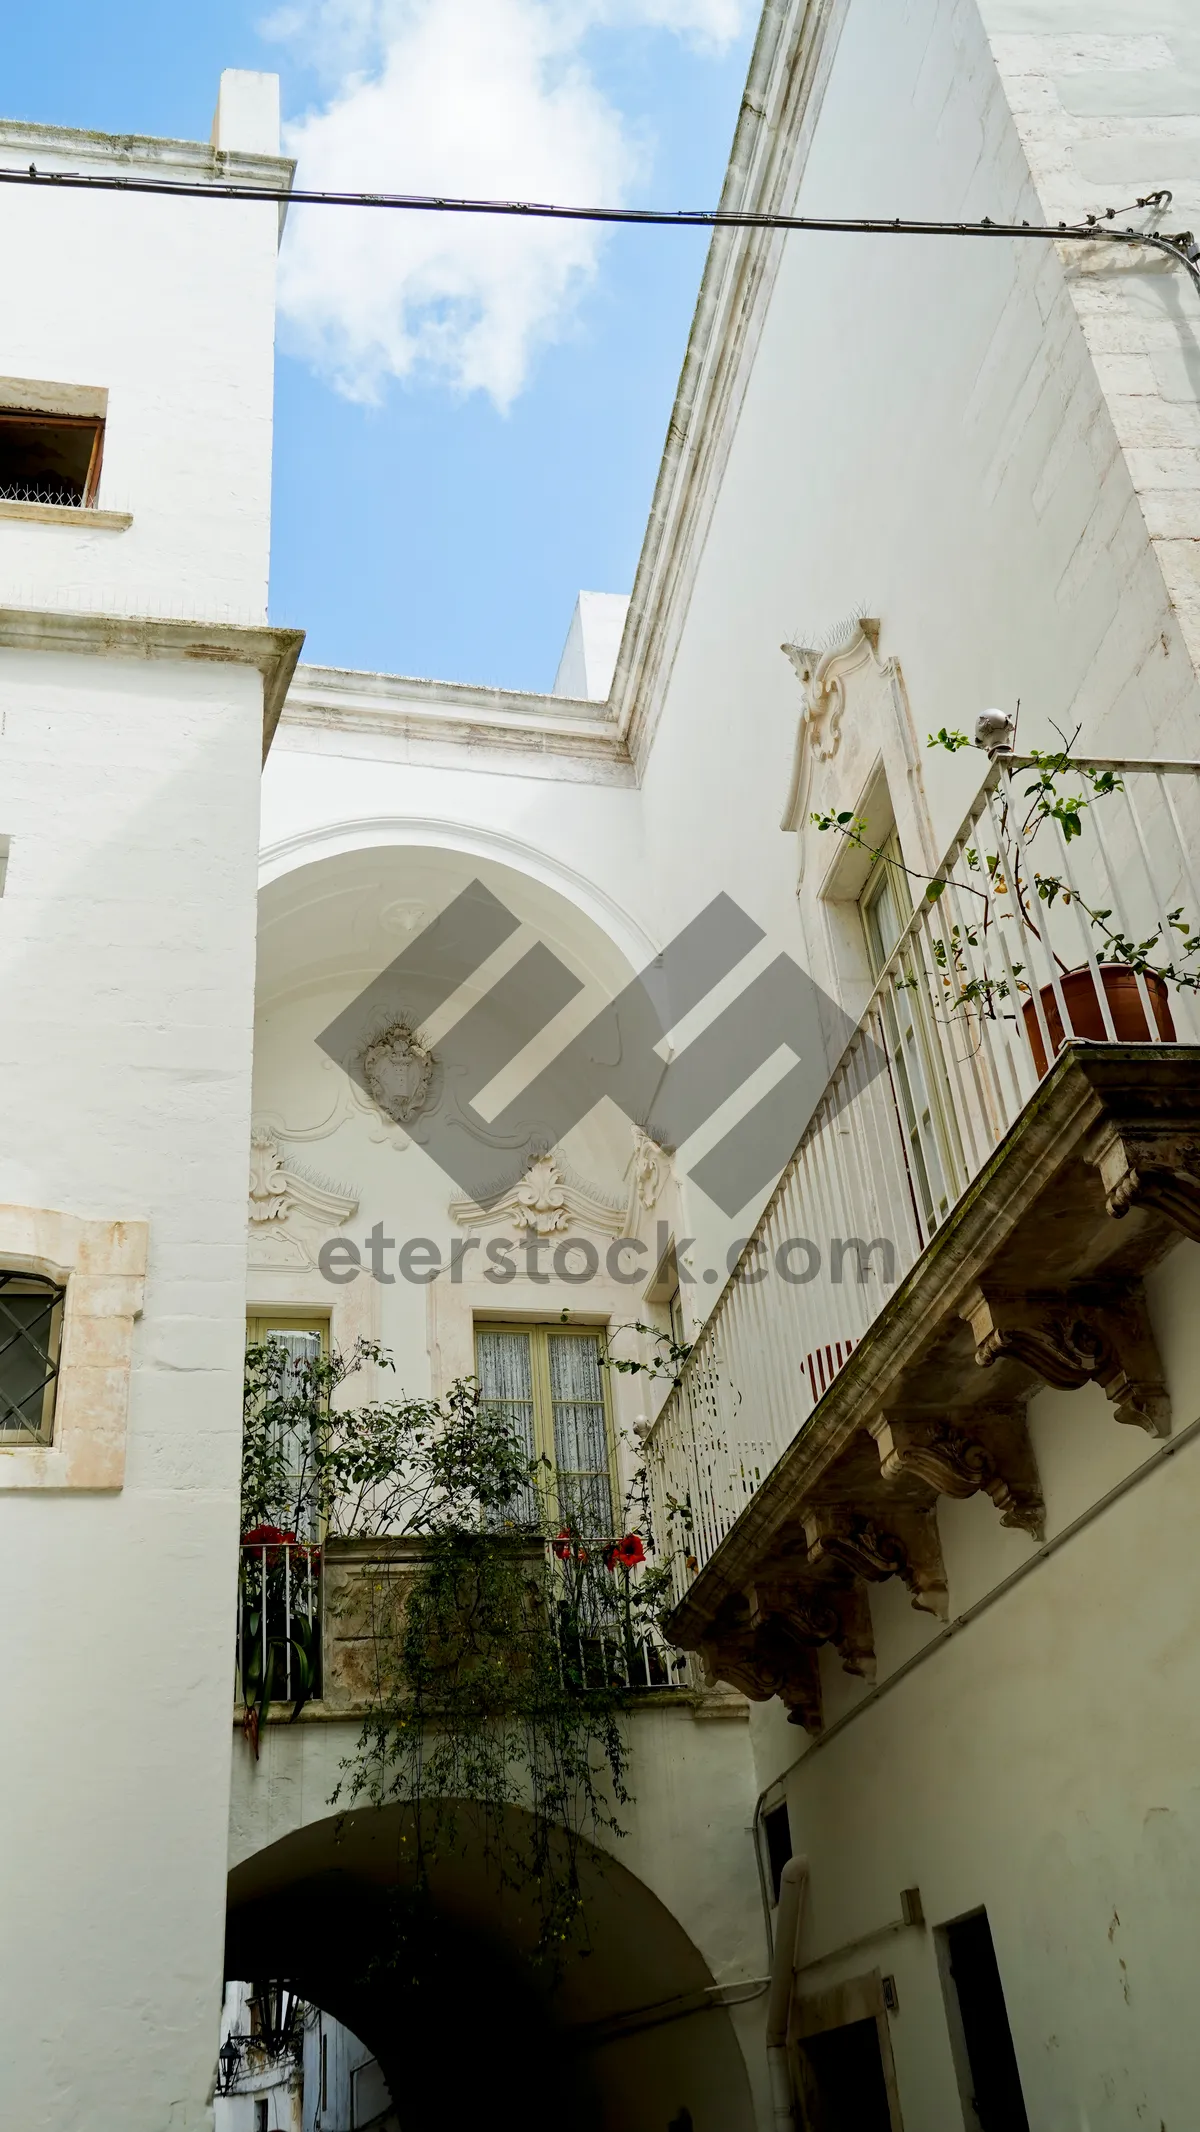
column 548, row 1200
column 289, row 1208
column 823, row 671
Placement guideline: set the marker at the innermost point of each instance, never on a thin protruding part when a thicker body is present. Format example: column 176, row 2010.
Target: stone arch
column 333, row 840
column 632, row 2037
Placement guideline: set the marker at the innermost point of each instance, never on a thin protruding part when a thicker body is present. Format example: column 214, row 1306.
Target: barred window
column 30, row 1337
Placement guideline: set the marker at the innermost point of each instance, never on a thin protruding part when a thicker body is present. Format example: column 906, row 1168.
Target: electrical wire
column 1181, row 247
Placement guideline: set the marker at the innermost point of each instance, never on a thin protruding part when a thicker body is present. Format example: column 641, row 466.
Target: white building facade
column 907, row 479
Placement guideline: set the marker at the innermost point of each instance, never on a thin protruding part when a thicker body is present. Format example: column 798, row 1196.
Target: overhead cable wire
column 1181, row 247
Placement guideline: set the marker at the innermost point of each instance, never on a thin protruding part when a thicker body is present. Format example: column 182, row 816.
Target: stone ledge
column 273, row 651
column 84, row 516
column 1034, row 1279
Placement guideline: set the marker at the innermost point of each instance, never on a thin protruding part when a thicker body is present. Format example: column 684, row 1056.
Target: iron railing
column 279, row 1622
column 1029, row 928
column 605, row 1639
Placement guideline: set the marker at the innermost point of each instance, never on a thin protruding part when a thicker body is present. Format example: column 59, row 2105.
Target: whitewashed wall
column 129, row 789
column 917, row 431
column 1041, row 1764
column 169, row 305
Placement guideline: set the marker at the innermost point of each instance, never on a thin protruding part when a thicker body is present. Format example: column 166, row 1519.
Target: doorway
column 842, row 2060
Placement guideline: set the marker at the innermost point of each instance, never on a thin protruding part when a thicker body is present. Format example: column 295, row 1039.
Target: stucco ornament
column 540, row 1200
column 651, row 1167
column 546, row 1200
column 268, row 1178
column 398, row 1068
column 289, row 1209
column 822, row 671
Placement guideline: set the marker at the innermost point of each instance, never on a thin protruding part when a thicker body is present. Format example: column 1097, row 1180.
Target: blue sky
column 453, row 461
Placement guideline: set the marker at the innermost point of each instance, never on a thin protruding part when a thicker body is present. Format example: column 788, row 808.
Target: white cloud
column 476, row 97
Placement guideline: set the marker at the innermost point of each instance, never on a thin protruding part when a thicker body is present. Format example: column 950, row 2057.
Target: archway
column 630, row 2038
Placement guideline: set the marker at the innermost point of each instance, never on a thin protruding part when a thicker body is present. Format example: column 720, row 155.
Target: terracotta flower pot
column 1082, row 1002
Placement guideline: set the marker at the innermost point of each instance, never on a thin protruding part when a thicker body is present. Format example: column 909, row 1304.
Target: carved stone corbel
column 830, row 1612
column 904, row 1543
column 1153, row 1168
column 1075, row 1337
column 766, row 1660
column 964, row 1452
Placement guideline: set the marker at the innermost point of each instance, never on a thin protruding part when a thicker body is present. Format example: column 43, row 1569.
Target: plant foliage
column 504, row 1648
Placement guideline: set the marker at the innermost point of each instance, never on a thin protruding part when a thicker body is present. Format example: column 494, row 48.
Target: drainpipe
column 793, row 1882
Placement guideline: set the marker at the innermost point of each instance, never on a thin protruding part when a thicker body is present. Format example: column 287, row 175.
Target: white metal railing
column 279, row 1621
column 280, row 1628
column 1015, row 941
column 605, row 1636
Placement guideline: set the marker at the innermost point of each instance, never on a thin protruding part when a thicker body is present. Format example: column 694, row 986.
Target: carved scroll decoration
column 1072, row 1338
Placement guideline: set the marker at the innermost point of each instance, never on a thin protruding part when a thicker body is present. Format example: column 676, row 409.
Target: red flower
column 626, row 1553
column 566, row 1545
column 273, row 1540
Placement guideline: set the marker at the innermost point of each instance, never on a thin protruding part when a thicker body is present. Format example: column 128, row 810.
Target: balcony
column 1010, row 1139
column 310, row 1622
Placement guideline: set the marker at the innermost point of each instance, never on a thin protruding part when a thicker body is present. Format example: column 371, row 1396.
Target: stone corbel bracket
column 964, row 1452
column 1149, row 1167
column 837, row 1613
column 1080, row 1336
column 901, row 1541
column 763, row 1658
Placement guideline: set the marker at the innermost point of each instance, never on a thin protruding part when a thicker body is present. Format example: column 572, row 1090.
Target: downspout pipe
column 793, row 1885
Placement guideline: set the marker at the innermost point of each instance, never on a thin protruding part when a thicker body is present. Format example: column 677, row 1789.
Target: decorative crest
column 398, row 1069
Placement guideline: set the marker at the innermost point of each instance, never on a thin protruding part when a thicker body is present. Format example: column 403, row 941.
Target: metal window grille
column 30, row 1335
column 41, row 492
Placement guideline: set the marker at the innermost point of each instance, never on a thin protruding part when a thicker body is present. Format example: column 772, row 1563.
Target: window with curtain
column 549, row 1383
column 304, row 1340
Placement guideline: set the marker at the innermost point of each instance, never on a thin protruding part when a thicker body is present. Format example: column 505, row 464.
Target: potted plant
column 1109, row 997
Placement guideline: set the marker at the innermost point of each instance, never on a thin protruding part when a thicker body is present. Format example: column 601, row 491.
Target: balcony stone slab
column 1034, row 1279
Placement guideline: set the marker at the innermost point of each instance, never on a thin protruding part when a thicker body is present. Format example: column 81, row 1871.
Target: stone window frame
column 102, row 1266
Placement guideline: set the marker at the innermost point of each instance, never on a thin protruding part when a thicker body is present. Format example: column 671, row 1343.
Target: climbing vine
column 994, row 885
column 504, row 1647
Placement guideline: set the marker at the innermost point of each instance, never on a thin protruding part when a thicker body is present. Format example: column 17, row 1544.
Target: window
column 30, row 1338
column 918, row 1077
column 778, row 1831
column 262, row 2110
column 306, row 1339
column 675, row 1318
column 987, row 2063
column 548, row 1381
column 49, row 458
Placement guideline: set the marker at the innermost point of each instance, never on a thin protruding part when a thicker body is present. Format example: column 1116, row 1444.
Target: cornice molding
column 195, row 160
column 448, row 722
column 790, row 66
column 116, row 636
